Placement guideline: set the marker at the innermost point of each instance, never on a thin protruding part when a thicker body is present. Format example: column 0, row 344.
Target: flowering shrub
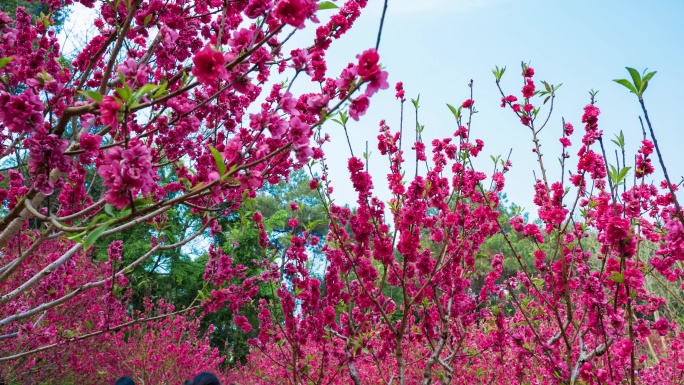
column 169, row 105
column 159, row 111
column 95, row 338
column 398, row 302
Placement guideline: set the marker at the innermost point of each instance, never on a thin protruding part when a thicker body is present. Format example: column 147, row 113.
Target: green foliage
column 36, row 9
column 639, row 81
column 240, row 240
column 497, row 244
column 176, row 276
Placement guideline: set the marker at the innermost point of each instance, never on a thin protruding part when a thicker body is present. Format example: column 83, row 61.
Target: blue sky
column 436, row 46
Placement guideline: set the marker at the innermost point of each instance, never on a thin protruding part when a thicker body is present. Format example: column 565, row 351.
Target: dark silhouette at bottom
column 204, row 378
column 125, row 381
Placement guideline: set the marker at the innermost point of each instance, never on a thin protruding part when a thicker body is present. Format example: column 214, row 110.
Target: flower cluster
column 127, row 172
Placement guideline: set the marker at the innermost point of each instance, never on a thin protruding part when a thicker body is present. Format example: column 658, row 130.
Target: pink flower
column 169, row 36
column 292, row 222
column 358, row 107
column 126, row 171
column 661, row 326
column 209, row 65
column 257, row 8
column 376, row 82
column 647, row 147
column 565, row 142
column 568, row 129
column 44, row 184
column 131, row 71
column 329, row 315
column 242, row 322
column 400, row 90
column 109, row 111
column 295, row 12
column 21, row 113
column 368, row 63
column 528, row 89
column 90, row 144
column 623, row 348
column 468, row 103
column 508, row 99
column 634, row 278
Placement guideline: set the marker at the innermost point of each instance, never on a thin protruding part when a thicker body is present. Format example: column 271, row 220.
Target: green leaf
column 344, row 116
column 124, row 93
column 161, row 91
column 327, row 5
column 109, row 209
column 147, row 19
column 498, row 73
column 636, row 78
column 613, row 174
column 454, row 111
column 617, row 277
column 141, row 202
column 76, row 237
column 93, row 95
column 648, row 76
column 623, row 174
column 97, row 219
column 142, row 91
column 94, row 235
column 619, row 140
column 186, row 183
column 218, row 158
column 644, row 82
column 4, row 61
column 627, row 84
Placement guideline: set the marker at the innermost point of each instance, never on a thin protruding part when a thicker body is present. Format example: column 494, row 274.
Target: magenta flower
column 242, row 322
column 21, row 113
column 358, row 107
column 528, row 89
column 109, row 111
column 209, row 65
column 508, row 99
column 376, row 82
column 400, row 91
column 257, row 8
column 127, row 170
column 43, row 184
column 295, row 12
column 368, row 63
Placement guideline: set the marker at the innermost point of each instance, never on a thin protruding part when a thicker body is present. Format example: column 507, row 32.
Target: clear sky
column 436, row 46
